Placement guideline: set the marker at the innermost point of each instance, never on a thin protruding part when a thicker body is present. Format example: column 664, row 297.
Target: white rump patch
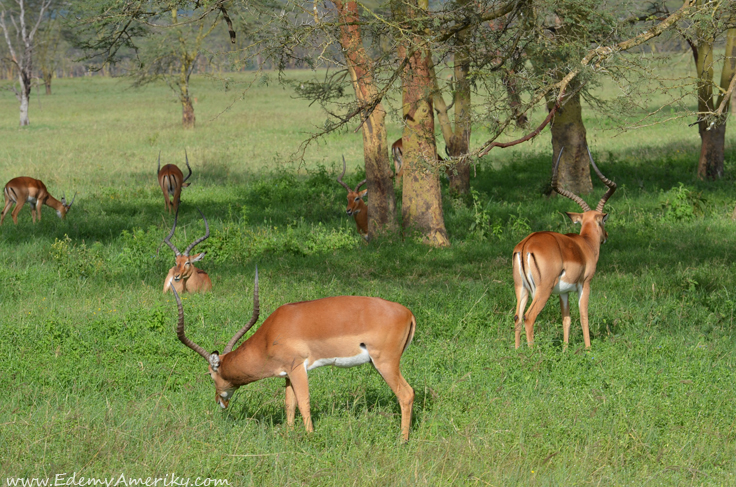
column 362, row 358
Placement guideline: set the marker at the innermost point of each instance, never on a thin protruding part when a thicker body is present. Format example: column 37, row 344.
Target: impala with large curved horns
column 547, row 263
column 356, row 206
column 20, row 190
column 172, row 180
column 343, row 331
column 184, row 277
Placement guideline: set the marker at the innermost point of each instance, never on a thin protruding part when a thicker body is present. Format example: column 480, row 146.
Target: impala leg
column 540, row 299
column 8, row 204
column 300, row 386
column 565, row 307
column 583, row 305
column 177, row 198
column 167, row 202
column 290, row 403
column 522, row 295
column 16, row 210
column 404, row 393
column 38, row 211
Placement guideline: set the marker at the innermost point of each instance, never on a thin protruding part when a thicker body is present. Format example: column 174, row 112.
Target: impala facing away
column 343, row 331
column 547, row 263
column 397, row 149
column 20, row 190
column 356, row 206
column 184, row 276
column 172, row 180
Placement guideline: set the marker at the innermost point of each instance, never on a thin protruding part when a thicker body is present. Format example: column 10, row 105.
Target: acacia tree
column 49, row 41
column 712, row 21
column 21, row 43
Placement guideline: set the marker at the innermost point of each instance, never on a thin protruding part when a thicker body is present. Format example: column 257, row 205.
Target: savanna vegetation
column 96, row 382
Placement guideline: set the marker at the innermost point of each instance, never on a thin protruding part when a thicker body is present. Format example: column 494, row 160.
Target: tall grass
column 96, row 382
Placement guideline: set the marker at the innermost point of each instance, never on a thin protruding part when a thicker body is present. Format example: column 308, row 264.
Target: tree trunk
column 187, row 113
column 421, row 199
column 712, row 144
column 459, row 143
column 25, row 97
column 381, row 197
column 47, row 77
column 568, row 131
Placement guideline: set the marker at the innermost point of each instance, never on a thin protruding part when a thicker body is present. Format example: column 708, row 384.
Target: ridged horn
column 200, row 239
column 190, row 169
column 339, row 180
column 180, row 327
column 167, row 240
column 567, row 194
column 253, row 319
column 611, row 185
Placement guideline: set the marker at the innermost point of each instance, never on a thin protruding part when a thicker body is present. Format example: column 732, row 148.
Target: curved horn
column 200, row 239
column 360, row 184
column 180, row 327
column 190, row 169
column 567, row 194
column 75, row 197
column 159, row 163
column 171, row 234
column 611, row 185
column 253, row 319
column 339, row 180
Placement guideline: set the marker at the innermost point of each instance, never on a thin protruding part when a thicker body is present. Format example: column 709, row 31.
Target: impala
column 184, row 277
column 356, row 206
column 547, row 263
column 20, row 190
column 343, row 331
column 172, row 180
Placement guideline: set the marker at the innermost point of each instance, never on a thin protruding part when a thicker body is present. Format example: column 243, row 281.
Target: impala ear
column 184, row 185
column 197, row 257
column 575, row 217
column 214, row 360
column 605, row 218
column 363, row 193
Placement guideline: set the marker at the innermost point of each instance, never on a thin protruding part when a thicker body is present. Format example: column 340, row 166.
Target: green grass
column 96, row 382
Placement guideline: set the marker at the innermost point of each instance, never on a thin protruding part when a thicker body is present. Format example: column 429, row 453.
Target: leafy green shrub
column 77, row 260
column 482, row 228
column 682, row 204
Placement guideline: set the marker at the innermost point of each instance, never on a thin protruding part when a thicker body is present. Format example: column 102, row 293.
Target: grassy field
column 97, row 383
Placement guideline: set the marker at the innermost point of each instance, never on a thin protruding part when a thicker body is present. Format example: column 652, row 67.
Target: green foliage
column 682, row 204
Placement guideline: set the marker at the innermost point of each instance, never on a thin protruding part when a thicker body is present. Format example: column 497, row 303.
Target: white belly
column 563, row 287
column 361, row 358
column 31, row 200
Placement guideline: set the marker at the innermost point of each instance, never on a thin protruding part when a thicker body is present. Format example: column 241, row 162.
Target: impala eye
column 357, row 199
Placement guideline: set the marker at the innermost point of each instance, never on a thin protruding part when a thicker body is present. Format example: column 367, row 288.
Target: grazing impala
column 356, row 206
column 172, row 180
column 547, row 263
column 343, row 331
column 184, row 276
column 18, row 191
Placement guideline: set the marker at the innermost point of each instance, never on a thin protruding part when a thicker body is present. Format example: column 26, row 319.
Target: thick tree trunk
column 381, row 198
column 712, row 144
column 512, row 91
column 568, row 131
column 421, row 199
column 459, row 143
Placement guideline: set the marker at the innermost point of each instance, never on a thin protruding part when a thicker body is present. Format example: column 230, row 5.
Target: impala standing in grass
column 172, row 180
column 547, row 263
column 20, row 190
column 343, row 331
column 356, row 206
column 184, row 276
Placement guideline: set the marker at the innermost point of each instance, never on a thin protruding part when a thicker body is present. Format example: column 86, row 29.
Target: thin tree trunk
column 381, row 198
column 568, row 131
column 459, row 143
column 187, row 113
column 422, row 198
column 25, row 95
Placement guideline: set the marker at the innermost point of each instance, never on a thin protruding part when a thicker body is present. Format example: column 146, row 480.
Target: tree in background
column 49, row 43
column 713, row 20
column 20, row 37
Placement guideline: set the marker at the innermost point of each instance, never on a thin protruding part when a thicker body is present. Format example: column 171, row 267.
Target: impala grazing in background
column 397, row 149
column 343, row 331
column 356, row 206
column 547, row 263
column 172, row 180
column 184, row 277
column 20, row 190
